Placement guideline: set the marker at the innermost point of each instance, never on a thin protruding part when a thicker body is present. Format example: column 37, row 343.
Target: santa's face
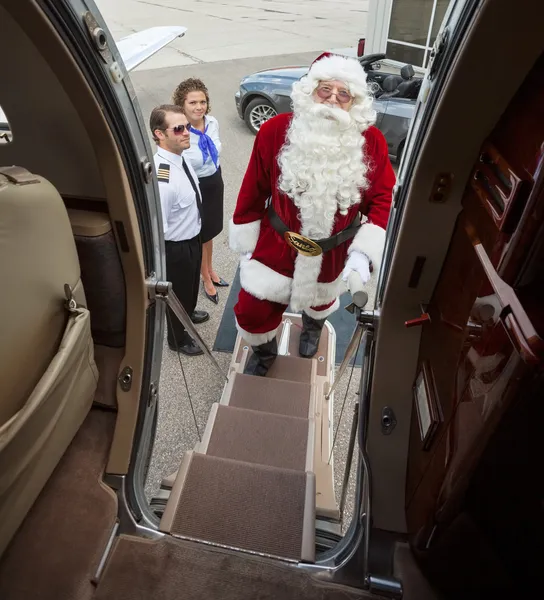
column 321, row 163
column 334, row 93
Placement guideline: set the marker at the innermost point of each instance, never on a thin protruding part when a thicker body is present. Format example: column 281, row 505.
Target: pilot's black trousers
column 183, row 271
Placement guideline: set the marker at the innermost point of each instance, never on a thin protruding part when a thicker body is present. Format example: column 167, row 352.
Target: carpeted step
column 258, row 437
column 245, row 506
column 291, row 368
column 277, row 396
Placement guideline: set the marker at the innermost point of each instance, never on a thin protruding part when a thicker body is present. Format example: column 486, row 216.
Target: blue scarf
column 206, row 145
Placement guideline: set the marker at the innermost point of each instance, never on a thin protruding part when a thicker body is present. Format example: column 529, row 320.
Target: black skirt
column 212, row 190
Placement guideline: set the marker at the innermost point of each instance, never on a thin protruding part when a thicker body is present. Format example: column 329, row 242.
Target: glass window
column 410, row 20
column 405, row 54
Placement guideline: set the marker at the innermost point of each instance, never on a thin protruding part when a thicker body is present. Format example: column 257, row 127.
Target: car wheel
column 257, row 112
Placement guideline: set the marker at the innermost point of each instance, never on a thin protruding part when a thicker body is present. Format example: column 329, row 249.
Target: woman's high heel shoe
column 213, row 297
column 220, row 283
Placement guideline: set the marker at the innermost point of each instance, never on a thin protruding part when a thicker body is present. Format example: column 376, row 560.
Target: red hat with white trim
column 329, row 66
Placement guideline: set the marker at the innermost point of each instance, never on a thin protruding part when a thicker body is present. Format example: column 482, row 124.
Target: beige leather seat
column 47, row 371
column 103, row 278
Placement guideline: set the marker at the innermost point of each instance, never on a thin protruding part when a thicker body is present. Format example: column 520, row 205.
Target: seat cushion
column 47, row 371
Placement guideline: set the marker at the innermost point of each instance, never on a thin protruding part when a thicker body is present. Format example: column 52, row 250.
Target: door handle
column 418, row 321
column 515, row 320
column 501, row 190
column 425, row 317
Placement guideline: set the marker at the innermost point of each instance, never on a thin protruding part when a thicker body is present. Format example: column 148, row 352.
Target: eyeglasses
column 178, row 129
column 326, row 91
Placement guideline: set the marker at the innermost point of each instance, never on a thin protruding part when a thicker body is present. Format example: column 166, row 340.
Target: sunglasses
column 178, row 129
column 325, row 92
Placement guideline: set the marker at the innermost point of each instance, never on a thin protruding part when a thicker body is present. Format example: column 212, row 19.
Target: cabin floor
column 59, row 545
column 170, row 568
column 57, row 551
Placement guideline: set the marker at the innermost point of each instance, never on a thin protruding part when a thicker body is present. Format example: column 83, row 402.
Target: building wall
column 404, row 29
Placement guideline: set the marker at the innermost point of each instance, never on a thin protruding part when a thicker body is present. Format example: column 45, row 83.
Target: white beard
column 321, row 164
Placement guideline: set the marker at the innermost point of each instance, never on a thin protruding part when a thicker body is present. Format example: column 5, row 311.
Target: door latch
column 389, row 421
column 425, row 317
column 100, row 42
column 125, row 379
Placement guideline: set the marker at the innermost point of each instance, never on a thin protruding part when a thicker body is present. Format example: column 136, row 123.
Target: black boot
column 262, row 358
column 309, row 338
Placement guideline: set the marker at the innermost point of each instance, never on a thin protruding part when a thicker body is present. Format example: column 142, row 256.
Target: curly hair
column 186, row 87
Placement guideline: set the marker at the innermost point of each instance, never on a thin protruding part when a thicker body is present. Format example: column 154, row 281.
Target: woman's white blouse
column 194, row 155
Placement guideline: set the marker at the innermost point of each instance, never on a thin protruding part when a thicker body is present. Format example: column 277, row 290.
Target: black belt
column 308, row 246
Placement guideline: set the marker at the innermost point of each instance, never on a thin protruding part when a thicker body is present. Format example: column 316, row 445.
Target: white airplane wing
column 139, row 46
column 134, row 50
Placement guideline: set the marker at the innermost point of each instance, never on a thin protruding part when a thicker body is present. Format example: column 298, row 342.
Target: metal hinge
column 153, row 395
column 147, row 169
column 436, row 55
column 157, row 289
column 100, row 42
column 162, row 290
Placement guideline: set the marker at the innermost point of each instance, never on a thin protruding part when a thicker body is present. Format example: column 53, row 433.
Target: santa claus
column 313, row 206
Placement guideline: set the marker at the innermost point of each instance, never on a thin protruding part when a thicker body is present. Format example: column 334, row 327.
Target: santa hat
column 330, row 66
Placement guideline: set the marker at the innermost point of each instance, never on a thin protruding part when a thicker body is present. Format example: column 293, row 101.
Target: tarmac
column 219, row 30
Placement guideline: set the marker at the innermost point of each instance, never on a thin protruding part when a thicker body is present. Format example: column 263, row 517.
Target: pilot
column 313, row 207
column 181, row 206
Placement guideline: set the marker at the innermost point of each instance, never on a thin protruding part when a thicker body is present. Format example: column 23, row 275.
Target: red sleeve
column 378, row 197
column 256, row 185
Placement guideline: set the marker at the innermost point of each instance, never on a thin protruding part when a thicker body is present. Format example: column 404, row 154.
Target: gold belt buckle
column 301, row 244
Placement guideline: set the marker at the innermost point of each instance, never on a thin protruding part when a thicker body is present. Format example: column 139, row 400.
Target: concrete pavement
column 220, row 30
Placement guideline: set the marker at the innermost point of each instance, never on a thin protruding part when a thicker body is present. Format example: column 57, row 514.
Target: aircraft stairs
column 261, row 479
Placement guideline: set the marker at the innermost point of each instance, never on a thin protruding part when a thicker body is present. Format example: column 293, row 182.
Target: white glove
column 358, row 262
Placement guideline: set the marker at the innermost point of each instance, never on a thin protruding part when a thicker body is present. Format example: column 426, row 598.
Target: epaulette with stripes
column 163, row 173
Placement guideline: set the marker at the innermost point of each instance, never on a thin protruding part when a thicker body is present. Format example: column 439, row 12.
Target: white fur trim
column 304, row 291
column 323, row 314
column 309, row 292
column 243, row 237
column 327, row 292
column 256, row 339
column 342, row 68
column 263, row 282
column 370, row 240
column 266, row 284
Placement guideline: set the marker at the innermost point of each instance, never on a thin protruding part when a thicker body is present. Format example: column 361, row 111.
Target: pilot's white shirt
column 180, row 214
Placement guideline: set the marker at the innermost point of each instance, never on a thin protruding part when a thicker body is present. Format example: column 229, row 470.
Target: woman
column 192, row 96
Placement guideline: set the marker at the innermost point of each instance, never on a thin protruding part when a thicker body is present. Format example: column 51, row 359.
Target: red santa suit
column 276, row 275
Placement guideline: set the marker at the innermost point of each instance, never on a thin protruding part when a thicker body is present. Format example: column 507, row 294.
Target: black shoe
column 200, row 316
column 309, row 338
column 262, row 358
column 188, row 347
column 220, row 283
column 214, row 298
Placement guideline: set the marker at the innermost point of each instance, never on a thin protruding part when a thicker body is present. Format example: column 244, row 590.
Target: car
column 265, row 94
